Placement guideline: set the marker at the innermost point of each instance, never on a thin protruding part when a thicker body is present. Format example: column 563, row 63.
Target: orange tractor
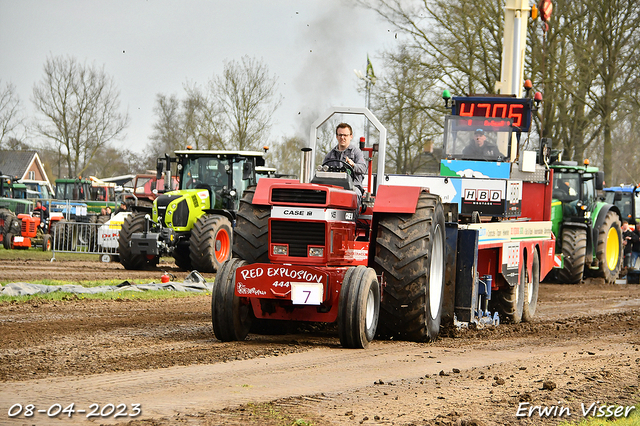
column 34, row 232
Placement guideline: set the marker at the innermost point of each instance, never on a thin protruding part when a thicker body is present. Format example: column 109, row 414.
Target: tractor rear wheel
column 8, row 241
column 409, row 251
column 609, row 248
column 251, row 235
column 359, row 307
column 133, row 223
column 9, row 217
column 210, row 243
column 532, row 285
column 574, row 249
column 510, row 300
column 231, row 316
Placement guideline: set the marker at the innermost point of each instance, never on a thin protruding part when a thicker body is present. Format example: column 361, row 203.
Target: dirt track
column 583, row 347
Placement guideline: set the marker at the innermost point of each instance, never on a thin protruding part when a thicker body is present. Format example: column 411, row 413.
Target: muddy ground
column 583, row 348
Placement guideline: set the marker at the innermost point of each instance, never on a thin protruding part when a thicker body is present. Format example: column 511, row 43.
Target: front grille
column 300, row 196
column 298, row 235
column 161, row 203
column 181, row 214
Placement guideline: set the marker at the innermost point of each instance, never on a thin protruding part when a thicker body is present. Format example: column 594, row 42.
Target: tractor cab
column 627, row 199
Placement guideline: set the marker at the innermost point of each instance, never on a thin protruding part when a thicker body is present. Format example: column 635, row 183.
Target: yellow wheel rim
column 613, row 248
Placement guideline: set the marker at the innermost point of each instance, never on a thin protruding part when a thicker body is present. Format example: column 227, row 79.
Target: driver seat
column 340, row 179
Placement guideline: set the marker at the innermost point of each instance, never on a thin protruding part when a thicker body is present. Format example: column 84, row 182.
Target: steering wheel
column 348, row 166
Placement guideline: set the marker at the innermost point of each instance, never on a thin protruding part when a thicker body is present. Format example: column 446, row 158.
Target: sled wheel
column 510, row 300
column 532, row 285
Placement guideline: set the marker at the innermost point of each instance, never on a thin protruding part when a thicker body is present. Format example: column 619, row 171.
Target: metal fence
column 89, row 238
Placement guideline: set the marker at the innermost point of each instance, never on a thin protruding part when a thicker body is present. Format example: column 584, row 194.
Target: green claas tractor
column 587, row 229
column 194, row 223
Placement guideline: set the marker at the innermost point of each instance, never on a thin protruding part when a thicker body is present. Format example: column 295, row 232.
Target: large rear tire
column 510, row 300
column 359, row 307
column 409, row 251
column 251, row 237
column 231, row 316
column 574, row 249
column 609, row 248
column 210, row 243
column 132, row 224
column 531, row 288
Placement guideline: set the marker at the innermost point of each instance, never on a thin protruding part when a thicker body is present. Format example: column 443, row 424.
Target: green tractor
column 93, row 192
column 194, row 223
column 587, row 229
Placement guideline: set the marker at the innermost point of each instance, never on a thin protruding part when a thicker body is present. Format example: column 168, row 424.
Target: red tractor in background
column 34, row 231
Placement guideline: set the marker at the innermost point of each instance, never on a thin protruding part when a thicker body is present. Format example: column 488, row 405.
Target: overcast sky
column 155, row 46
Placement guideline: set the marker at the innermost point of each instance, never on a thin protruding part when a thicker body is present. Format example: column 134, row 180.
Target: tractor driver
column 480, row 148
column 42, row 212
column 350, row 154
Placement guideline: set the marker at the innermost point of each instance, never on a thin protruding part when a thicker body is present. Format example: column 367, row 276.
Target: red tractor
column 34, row 232
column 392, row 266
column 311, row 253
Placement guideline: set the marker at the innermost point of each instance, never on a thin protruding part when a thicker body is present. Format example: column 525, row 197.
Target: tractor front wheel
column 231, row 315
column 210, row 243
column 359, row 307
column 574, row 249
column 609, row 248
column 182, row 258
column 409, row 252
column 132, row 224
column 46, row 242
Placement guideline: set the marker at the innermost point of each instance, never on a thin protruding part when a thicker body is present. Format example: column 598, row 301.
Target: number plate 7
column 306, row 293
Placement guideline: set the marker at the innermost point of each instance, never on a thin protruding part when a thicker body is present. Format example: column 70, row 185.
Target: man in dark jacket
column 635, row 248
column 348, row 153
column 480, row 148
column 629, row 238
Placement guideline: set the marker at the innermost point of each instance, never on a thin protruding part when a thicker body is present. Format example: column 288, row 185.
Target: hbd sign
column 483, row 195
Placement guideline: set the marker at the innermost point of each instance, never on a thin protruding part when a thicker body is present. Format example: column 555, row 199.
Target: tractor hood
column 180, row 209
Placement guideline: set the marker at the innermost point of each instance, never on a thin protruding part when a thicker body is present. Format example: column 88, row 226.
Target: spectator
column 122, row 208
column 41, row 211
column 629, row 238
column 635, row 249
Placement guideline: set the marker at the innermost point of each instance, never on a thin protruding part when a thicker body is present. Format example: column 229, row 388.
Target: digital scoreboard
column 518, row 110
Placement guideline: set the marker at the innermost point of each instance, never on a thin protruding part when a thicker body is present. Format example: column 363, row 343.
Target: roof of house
column 15, row 163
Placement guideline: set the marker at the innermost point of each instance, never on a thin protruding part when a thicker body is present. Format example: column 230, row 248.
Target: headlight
column 316, row 251
column 281, row 250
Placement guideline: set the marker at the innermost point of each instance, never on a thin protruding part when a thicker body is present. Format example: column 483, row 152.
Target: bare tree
column 10, row 112
column 202, row 119
column 167, row 130
column 80, row 110
column 405, row 101
column 286, row 155
column 246, row 97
